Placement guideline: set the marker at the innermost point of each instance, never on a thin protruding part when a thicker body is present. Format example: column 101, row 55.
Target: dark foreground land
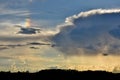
column 57, row 74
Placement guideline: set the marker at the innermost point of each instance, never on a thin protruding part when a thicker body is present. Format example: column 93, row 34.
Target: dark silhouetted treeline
column 57, row 74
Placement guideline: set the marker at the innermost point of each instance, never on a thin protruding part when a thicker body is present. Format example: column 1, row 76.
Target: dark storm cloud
column 88, row 33
column 115, row 32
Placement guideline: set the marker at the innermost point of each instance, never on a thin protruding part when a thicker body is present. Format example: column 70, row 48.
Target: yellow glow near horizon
column 28, row 23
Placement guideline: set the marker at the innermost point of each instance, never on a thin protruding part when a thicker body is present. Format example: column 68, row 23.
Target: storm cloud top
column 88, row 33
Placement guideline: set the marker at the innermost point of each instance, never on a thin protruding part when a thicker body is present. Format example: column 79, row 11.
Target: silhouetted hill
column 57, row 74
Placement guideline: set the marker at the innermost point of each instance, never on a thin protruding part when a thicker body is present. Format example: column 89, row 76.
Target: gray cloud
column 7, row 46
column 3, row 48
column 34, row 47
column 32, row 44
column 37, row 43
column 88, row 33
column 23, row 38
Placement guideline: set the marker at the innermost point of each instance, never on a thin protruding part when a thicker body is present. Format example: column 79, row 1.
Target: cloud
column 11, row 46
column 115, row 32
column 14, row 3
column 88, row 33
column 37, row 43
column 8, row 33
column 34, row 47
column 19, row 8
column 3, row 48
column 33, row 44
column 9, row 39
column 14, row 8
column 13, row 12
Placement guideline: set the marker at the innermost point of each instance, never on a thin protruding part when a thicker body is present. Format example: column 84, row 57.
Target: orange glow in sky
column 28, row 22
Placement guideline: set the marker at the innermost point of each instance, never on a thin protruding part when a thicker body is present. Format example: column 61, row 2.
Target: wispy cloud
column 14, row 8
column 13, row 12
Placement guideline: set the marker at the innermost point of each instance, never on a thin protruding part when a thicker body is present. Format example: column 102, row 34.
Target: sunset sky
column 75, row 34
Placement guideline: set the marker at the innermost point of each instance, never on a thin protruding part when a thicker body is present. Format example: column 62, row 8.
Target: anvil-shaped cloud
column 90, row 33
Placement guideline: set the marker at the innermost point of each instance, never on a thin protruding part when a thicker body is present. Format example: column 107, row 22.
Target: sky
column 75, row 34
